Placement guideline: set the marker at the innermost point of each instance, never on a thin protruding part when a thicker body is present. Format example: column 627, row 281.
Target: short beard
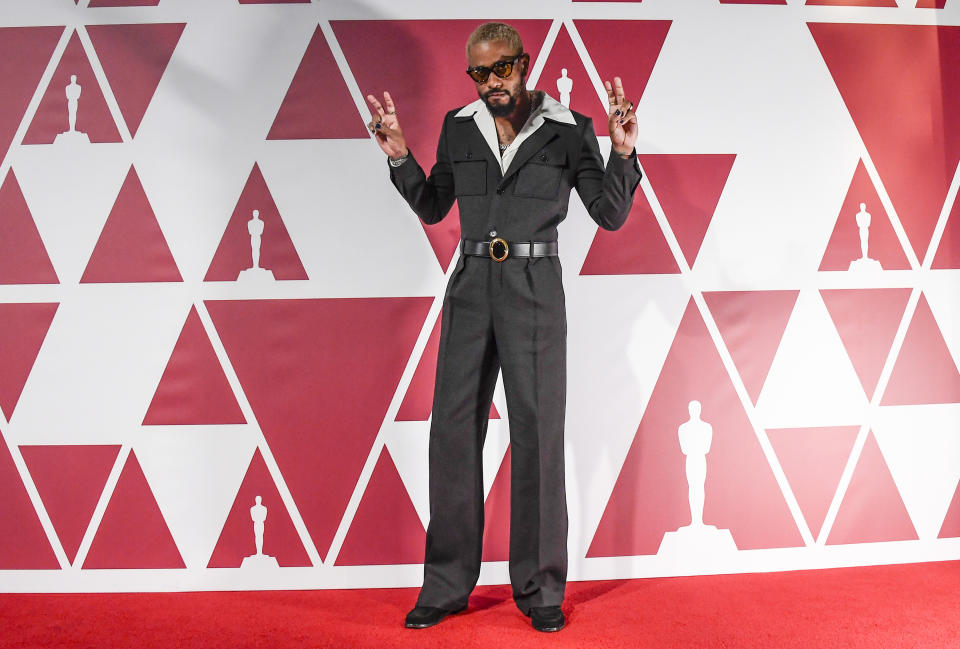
column 501, row 110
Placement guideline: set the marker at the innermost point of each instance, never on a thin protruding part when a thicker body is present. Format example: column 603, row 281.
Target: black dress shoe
column 547, row 618
column 422, row 617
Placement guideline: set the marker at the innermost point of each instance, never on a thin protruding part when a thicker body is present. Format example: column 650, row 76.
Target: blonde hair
column 489, row 32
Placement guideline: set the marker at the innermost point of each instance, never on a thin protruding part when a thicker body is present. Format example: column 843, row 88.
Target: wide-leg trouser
column 508, row 316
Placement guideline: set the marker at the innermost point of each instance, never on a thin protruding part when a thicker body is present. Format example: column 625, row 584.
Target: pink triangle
column 418, row 401
column 925, row 371
column 854, row 3
column 907, row 109
column 882, row 242
column 277, row 252
column 496, row 515
column 867, row 321
column 25, row 328
column 872, row 510
column 421, row 102
column 320, row 399
column 280, row 537
column 123, row 3
column 688, row 188
column 24, row 545
column 752, row 325
column 813, row 460
column 133, row 533
column 386, row 530
column 93, row 115
column 650, row 495
column 583, row 97
column 753, row 2
column 193, row 389
column 948, row 254
column 317, row 104
column 24, row 54
column 637, row 248
column 134, row 58
column 70, row 480
column 604, row 40
column 23, row 257
column 131, row 247
column 273, row 2
column 951, row 523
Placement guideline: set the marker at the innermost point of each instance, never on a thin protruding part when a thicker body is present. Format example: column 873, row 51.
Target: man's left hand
column 622, row 122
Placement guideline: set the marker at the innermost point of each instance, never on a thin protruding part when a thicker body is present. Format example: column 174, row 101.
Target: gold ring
column 499, row 242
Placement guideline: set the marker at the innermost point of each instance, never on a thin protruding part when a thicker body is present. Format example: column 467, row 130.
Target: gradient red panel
column 413, row 47
column 124, row 3
column 24, row 54
column 496, row 515
column 924, row 371
column 93, row 116
column 134, row 58
column 753, row 2
column 23, row 257
column 386, row 529
column 193, row 389
column 25, row 545
column 25, row 328
column 882, row 243
column 948, row 253
column 813, row 459
column 931, row 4
column 872, row 510
column 317, row 104
column 131, row 247
column 133, row 533
column 277, row 252
column 751, row 324
column 320, row 399
column 907, row 109
column 280, row 538
column 688, row 188
column 70, row 480
column 637, row 248
column 650, row 496
column 854, row 3
column 867, row 320
column 951, row 522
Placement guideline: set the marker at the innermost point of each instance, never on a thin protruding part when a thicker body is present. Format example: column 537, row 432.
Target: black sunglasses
column 502, row 69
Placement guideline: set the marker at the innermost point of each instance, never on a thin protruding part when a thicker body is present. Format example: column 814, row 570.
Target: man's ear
column 526, row 63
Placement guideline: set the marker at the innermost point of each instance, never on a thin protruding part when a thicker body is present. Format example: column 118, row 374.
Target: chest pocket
column 469, row 174
column 540, row 175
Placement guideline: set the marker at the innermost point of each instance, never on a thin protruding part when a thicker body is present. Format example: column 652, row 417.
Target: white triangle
column 811, row 381
column 921, row 445
column 941, row 290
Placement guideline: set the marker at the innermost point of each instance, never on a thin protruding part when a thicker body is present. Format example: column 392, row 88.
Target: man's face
column 500, row 95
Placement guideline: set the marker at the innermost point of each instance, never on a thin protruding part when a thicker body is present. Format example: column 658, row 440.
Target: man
column 510, row 159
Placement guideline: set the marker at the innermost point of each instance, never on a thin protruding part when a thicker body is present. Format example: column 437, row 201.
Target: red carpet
column 881, row 607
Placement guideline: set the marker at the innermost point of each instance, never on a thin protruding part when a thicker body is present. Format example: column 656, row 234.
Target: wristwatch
column 396, row 162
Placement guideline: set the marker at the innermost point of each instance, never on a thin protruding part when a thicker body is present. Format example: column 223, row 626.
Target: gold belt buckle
column 499, row 243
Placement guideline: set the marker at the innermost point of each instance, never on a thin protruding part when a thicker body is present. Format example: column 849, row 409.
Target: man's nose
column 493, row 81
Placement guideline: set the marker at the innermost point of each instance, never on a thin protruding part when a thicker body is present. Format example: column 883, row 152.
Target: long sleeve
column 607, row 192
column 429, row 197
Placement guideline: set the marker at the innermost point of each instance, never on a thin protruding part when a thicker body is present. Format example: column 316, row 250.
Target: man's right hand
column 385, row 127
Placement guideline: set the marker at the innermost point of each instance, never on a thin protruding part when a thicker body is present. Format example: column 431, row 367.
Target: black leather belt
column 498, row 249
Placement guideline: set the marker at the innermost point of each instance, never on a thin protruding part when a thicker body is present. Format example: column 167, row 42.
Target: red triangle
column 386, row 530
column 23, row 257
column 752, row 325
column 854, row 3
column 134, row 58
column 583, row 98
column 123, row 3
column 496, row 515
column 931, row 4
column 951, row 523
column 872, row 510
column 637, row 248
column 418, row 401
column 688, row 188
column 882, row 243
column 133, row 533
column 277, row 252
column 24, row 545
column 70, row 480
column 280, row 537
column 320, row 399
column 753, row 2
column 24, row 54
column 25, row 328
column 131, row 247
column 422, row 101
column 604, row 40
column 907, row 110
column 193, row 389
column 867, row 320
column 93, row 115
column 948, row 254
column 813, row 459
column 272, row 2
column 318, row 104
column 924, row 372
column 650, row 495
